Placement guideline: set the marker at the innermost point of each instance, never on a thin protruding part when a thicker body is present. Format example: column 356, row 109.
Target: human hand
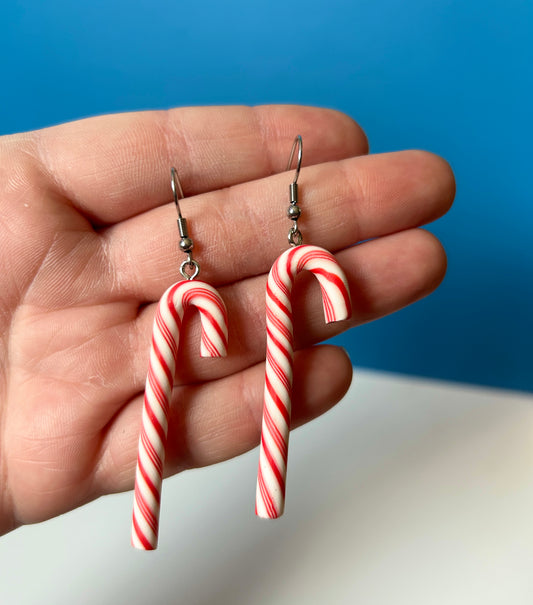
column 89, row 243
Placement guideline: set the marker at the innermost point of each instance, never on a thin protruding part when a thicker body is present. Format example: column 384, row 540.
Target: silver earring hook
column 294, row 211
column 297, row 142
column 177, row 191
column 186, row 243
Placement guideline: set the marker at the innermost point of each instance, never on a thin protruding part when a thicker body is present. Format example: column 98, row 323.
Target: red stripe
column 266, row 497
column 193, row 297
column 169, row 332
column 278, row 402
column 158, row 389
column 151, row 452
column 147, row 514
column 276, row 435
column 211, row 349
column 152, row 416
column 274, row 467
column 284, row 378
column 276, row 300
column 338, row 283
column 148, row 481
column 278, row 324
column 218, row 328
column 157, row 398
column 286, row 350
column 162, row 362
column 142, row 538
column 289, row 263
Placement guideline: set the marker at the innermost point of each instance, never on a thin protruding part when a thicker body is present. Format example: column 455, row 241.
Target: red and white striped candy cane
column 159, row 384
column 270, row 494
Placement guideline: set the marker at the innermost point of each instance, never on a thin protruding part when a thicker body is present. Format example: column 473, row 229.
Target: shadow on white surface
column 410, row 491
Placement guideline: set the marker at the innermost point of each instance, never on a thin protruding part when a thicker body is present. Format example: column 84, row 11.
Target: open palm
column 89, row 243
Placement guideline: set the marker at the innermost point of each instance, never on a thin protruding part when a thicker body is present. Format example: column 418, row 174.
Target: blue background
column 453, row 77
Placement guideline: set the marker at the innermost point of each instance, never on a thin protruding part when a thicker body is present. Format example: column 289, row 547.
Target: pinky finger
column 221, row 419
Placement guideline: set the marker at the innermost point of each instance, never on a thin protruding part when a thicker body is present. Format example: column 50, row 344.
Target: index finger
column 117, row 166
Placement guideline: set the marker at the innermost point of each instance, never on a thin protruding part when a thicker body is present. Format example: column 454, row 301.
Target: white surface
column 409, row 492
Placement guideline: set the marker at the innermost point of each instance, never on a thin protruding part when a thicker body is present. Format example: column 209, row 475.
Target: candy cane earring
column 270, row 494
column 159, row 383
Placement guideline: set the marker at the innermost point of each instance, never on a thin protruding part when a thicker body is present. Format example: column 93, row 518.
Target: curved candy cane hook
column 270, row 494
column 159, row 384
